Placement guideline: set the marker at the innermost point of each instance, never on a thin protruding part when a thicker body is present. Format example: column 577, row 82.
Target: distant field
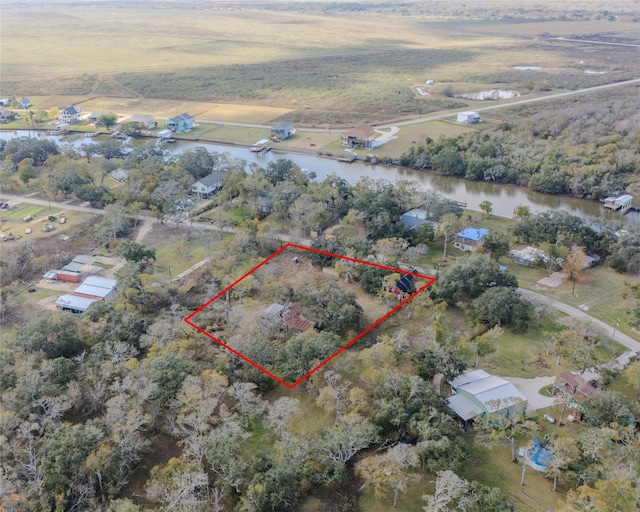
column 306, row 67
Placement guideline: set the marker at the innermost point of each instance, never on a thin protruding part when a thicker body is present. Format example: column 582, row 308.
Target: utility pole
column 614, row 333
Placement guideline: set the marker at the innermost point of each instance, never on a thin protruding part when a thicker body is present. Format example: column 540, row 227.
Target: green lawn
column 176, row 251
column 493, row 467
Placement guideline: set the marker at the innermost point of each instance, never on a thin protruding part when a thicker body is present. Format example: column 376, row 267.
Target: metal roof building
column 74, row 303
column 478, row 392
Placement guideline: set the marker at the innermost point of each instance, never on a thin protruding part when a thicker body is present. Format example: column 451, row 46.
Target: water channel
column 504, row 197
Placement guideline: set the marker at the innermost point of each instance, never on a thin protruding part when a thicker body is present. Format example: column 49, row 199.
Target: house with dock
column 360, row 137
column 620, row 204
column 70, row 114
column 143, row 121
column 181, row 123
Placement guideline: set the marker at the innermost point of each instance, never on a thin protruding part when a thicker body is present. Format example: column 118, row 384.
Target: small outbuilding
column 470, row 239
column 282, row 131
column 360, row 137
column 529, row 256
column 74, row 303
column 469, row 117
column 24, row 103
column 208, row 185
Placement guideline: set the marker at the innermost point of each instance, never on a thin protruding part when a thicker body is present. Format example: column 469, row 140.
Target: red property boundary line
column 430, row 280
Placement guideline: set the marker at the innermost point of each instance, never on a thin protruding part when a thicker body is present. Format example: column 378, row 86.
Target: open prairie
column 312, row 66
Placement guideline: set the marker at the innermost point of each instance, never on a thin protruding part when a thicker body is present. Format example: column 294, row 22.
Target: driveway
column 530, row 389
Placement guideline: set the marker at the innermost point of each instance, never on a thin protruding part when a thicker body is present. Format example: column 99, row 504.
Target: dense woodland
column 125, row 408
column 584, row 149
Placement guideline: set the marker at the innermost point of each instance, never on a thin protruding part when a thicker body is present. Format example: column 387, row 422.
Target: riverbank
column 504, row 197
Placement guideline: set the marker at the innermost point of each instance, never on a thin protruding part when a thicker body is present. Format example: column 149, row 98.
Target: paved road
column 606, row 329
column 449, row 113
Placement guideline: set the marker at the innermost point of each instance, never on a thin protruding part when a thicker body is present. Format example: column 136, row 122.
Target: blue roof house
column 180, row 124
column 282, row 131
column 469, row 239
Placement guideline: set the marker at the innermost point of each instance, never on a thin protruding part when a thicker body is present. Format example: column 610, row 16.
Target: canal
column 503, row 196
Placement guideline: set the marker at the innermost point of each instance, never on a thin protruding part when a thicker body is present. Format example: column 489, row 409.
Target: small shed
column 469, row 239
column 208, row 185
column 469, row 117
column 360, row 137
column 282, row 131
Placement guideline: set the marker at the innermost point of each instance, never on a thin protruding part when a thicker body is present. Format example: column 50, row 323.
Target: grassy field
column 11, row 220
column 312, row 68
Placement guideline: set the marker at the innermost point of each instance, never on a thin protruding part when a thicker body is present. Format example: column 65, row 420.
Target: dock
column 347, row 158
column 621, row 204
column 262, row 146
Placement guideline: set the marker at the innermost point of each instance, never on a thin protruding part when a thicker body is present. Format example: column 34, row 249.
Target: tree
column 469, row 277
column 501, row 306
column 440, row 444
column 508, row 422
column 486, row 207
column 447, row 226
column 180, row 484
column 439, row 359
column 497, row 244
column 281, row 412
column 350, row 434
column 552, row 257
column 573, row 265
column 198, row 162
column 607, row 407
column 562, row 451
column 450, row 488
column 284, row 169
column 307, row 213
column 107, row 120
column 54, row 335
column 136, row 252
column 390, row 471
column 109, row 149
column 332, row 308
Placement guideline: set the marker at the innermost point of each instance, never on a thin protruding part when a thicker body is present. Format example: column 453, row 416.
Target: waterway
column 503, row 197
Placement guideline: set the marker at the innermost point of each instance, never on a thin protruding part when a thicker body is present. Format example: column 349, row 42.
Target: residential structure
column 415, row 218
column 529, row 256
column 282, row 131
column 470, row 239
column 208, row 185
column 94, row 116
column 24, row 103
column 80, row 263
column 477, row 392
column 96, row 288
column 469, row 117
column 181, row 123
column 70, row 114
column 143, row 121
column 360, row 137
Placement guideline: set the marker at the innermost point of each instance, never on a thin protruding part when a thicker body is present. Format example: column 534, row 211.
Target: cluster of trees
column 584, row 151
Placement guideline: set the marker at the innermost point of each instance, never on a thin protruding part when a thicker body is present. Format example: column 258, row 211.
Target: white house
column 70, row 114
column 143, row 121
column 468, row 117
column 208, row 185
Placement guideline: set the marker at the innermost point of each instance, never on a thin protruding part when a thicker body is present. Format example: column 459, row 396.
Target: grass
column 337, row 72
column 493, row 467
column 601, row 295
column 176, row 251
